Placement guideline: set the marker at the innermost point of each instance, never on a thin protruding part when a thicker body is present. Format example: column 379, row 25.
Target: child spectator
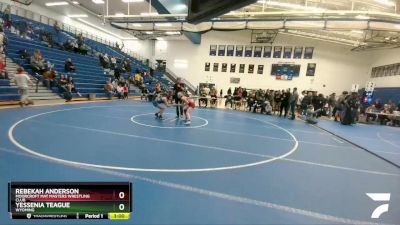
column 126, row 91
column 22, row 80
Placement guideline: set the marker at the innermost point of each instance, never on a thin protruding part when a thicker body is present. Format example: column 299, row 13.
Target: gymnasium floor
column 228, row 167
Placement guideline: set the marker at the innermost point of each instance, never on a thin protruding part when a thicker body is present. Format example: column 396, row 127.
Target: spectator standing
column 284, row 103
column 3, row 71
column 293, row 101
column 126, row 91
column 7, row 17
column 23, row 81
column 331, row 104
column 108, row 88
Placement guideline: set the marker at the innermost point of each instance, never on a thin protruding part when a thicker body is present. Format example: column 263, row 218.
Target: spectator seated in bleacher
column 108, row 88
column 71, row 86
column 3, row 71
column 24, row 54
column 38, row 63
column 49, row 79
column 46, row 37
column 69, row 66
column 62, row 84
column 80, row 40
column 22, row 27
column 120, row 91
column 68, row 45
column 104, row 61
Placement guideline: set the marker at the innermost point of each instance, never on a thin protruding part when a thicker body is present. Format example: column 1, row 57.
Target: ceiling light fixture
column 56, row 3
column 362, row 17
column 98, row 1
column 149, row 32
column 149, row 14
column 132, row 1
column 386, row 2
column 75, row 2
column 292, row 6
column 357, row 31
column 172, row 32
column 163, row 24
column 119, row 14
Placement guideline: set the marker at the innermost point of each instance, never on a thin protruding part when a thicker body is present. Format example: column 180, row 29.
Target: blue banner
column 229, row 50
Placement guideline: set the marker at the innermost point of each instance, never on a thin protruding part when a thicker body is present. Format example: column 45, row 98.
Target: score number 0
column 121, row 195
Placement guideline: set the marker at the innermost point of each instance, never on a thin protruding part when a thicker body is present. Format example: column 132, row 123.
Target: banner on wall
column 248, row 51
column 235, row 80
column 267, row 51
column 241, row 68
column 233, row 67
column 224, row 67
column 311, row 69
column 260, row 69
column 257, row 51
column 308, row 52
column 298, row 52
column 213, row 50
column 355, row 87
column 207, row 66
column 239, row 50
column 251, row 68
column 221, row 50
column 215, row 68
column 278, row 52
column 230, row 50
column 287, row 52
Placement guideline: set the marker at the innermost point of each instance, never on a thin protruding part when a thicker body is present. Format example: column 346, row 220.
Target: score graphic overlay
column 70, row 200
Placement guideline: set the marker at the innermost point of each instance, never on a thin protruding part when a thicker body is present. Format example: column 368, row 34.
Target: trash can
column 92, row 96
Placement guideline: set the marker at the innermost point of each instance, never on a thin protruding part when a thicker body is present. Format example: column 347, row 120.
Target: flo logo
column 379, row 197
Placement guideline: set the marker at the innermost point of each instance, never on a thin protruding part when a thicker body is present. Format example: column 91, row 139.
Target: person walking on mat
column 22, row 80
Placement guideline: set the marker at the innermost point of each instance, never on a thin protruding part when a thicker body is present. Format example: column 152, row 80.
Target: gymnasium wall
column 337, row 67
column 381, row 58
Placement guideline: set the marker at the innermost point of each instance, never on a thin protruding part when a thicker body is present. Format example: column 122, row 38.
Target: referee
column 178, row 87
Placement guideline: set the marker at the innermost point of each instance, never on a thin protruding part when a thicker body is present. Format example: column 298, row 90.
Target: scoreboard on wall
column 82, row 200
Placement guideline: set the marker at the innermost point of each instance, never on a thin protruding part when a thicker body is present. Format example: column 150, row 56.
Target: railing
column 16, row 10
column 174, row 77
